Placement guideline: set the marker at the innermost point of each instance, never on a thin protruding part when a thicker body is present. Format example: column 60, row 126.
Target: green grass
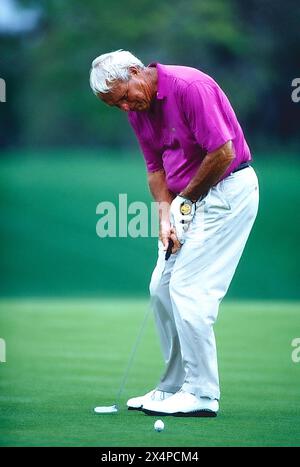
column 48, row 228
column 66, row 356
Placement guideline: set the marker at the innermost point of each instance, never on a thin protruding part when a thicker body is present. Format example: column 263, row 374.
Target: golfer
column 199, row 173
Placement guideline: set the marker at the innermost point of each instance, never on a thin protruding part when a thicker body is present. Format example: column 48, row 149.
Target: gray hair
column 110, row 67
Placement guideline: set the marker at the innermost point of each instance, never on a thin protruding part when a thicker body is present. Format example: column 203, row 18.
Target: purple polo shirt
column 190, row 117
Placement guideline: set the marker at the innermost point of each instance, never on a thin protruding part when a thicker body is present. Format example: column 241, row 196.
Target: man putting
column 198, row 166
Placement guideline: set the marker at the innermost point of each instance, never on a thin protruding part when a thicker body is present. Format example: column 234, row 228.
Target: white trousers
column 187, row 289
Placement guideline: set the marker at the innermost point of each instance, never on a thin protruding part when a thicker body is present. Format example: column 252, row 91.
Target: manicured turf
column 66, row 356
column 48, row 219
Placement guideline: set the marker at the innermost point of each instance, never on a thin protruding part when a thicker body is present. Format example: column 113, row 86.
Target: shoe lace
column 159, row 392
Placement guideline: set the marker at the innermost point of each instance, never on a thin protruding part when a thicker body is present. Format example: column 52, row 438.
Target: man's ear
column 134, row 70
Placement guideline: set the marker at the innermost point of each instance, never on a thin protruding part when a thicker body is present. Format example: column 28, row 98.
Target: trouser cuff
column 201, row 391
column 168, row 387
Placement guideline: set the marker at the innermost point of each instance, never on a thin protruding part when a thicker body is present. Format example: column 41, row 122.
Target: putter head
column 106, row 409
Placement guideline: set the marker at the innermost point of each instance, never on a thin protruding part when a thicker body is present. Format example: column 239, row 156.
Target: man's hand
column 166, row 233
column 164, row 198
column 182, row 211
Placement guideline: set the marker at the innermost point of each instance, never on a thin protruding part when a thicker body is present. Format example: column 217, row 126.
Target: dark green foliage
column 250, row 48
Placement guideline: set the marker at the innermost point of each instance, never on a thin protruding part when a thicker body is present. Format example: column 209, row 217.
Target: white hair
column 110, row 67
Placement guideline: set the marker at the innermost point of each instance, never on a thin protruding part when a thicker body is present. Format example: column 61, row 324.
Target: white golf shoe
column 182, row 404
column 136, row 403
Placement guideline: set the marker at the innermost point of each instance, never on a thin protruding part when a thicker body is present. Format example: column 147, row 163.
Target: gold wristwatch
column 186, row 207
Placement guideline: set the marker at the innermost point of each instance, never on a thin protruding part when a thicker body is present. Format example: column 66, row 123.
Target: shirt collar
column 161, row 80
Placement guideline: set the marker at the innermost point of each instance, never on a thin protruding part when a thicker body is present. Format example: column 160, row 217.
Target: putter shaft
column 169, row 249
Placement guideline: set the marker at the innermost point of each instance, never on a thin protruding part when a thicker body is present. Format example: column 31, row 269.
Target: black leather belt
column 243, row 165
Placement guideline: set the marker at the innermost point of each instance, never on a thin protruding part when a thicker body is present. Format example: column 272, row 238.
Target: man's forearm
column 158, row 187
column 211, row 170
column 160, row 193
column 164, row 198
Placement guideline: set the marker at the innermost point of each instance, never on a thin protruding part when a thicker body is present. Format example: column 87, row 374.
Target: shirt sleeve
column 205, row 109
column 153, row 158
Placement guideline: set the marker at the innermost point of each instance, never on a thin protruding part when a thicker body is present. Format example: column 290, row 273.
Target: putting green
column 66, row 356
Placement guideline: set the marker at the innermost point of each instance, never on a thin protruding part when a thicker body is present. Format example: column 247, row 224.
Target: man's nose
column 124, row 106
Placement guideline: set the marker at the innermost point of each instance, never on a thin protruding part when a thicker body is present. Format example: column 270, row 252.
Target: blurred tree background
column 62, row 152
column 251, row 48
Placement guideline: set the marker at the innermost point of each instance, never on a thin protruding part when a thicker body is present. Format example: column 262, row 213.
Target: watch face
column 185, row 208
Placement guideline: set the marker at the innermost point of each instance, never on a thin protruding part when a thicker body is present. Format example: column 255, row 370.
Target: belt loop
column 243, row 165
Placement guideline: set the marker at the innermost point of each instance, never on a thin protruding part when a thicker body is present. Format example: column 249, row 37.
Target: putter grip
column 169, row 249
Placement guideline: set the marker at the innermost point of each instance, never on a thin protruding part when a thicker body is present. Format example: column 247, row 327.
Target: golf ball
column 159, row 425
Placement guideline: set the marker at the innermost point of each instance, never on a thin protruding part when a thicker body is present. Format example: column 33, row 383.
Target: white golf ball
column 159, row 425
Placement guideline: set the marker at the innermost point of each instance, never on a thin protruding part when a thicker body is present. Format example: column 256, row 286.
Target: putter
column 169, row 249
column 109, row 409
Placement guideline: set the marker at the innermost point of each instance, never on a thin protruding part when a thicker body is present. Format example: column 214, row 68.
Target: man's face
column 135, row 94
